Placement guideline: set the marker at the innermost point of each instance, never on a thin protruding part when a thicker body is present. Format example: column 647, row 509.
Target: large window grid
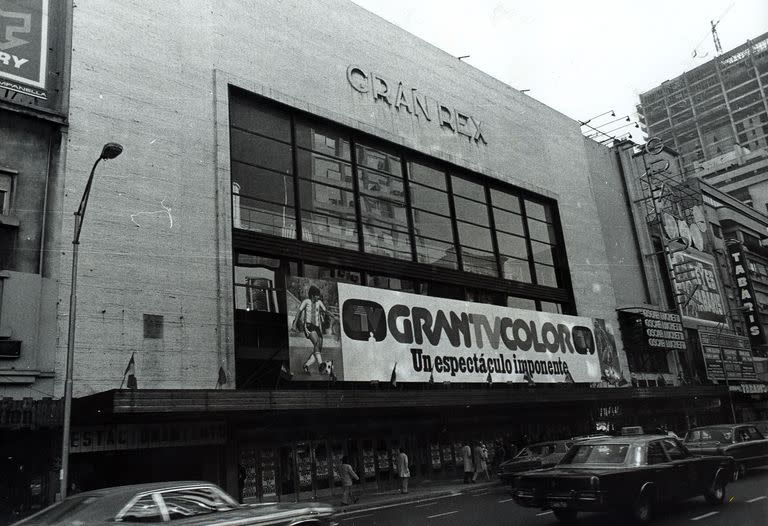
column 363, row 196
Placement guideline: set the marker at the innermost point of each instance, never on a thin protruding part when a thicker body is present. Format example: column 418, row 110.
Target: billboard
column 647, row 329
column 353, row 333
column 24, row 46
column 727, row 353
column 697, row 289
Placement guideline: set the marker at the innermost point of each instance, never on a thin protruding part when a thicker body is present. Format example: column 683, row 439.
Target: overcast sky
column 581, row 57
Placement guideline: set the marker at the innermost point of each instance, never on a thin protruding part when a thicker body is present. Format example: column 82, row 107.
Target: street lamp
column 110, row 151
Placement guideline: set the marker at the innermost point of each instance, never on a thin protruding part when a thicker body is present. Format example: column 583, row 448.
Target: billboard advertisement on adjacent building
column 697, row 289
column 339, row 331
column 746, row 293
column 727, row 353
column 24, row 46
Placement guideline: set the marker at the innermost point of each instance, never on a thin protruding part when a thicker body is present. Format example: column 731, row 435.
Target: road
column 746, row 505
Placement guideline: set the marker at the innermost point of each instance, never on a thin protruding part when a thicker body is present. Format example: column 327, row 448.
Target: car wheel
column 716, row 494
column 642, row 509
column 739, row 472
column 566, row 516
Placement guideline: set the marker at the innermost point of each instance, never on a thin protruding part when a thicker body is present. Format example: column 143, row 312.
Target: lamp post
column 109, row 151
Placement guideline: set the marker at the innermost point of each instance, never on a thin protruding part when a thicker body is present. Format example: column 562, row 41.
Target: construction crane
column 715, row 37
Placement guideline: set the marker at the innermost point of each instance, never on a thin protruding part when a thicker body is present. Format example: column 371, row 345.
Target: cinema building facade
column 326, row 236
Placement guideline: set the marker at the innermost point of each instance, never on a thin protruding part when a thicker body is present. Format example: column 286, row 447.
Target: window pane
column 520, row 303
column 545, row 275
column 324, row 169
column 479, row 262
column 471, row 211
column 436, row 252
column 256, row 182
column 429, row 199
column 516, row 269
column 475, row 236
column 422, row 174
column 468, row 189
column 380, row 185
column 143, row 510
column 512, row 245
column 318, row 197
column 508, row 222
column 194, row 502
column 329, row 231
column 331, row 273
column 269, row 121
column 432, row 225
column 260, row 151
column 556, row 308
column 378, row 159
column 386, row 242
column 323, row 139
column 542, row 253
column 267, row 218
column 541, row 231
column 507, row 201
column 388, row 282
column 537, row 211
column 385, row 213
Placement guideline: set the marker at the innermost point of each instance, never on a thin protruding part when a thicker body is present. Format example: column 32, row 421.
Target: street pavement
column 746, row 505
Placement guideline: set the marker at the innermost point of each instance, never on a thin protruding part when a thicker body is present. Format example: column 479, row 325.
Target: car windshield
column 536, row 450
column 596, row 454
column 710, row 435
column 68, row 508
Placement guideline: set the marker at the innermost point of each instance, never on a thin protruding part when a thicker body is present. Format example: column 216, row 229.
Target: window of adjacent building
column 5, row 194
column 298, row 177
column 153, row 326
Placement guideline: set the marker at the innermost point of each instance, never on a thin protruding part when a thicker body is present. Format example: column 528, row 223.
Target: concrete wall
column 143, row 75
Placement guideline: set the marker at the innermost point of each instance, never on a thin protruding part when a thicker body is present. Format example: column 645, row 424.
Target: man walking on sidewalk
column 403, row 471
column 466, row 455
column 347, row 474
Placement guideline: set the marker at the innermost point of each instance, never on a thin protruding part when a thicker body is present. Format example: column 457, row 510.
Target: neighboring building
column 315, row 141
column 673, row 244
column 704, row 112
column 33, row 130
column 741, row 173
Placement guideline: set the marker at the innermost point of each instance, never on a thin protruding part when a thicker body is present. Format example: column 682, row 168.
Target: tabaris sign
column 746, row 293
column 24, row 46
column 697, row 289
column 385, row 335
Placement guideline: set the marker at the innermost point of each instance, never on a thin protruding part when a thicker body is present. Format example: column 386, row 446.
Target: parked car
column 535, row 456
column 743, row 442
column 761, row 425
column 180, row 503
column 631, row 474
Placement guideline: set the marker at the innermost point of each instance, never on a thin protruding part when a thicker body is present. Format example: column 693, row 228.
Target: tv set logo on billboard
column 24, row 46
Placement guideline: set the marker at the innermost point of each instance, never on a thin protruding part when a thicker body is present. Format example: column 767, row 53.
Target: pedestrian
column 402, row 470
column 477, row 459
column 466, row 455
column 347, row 475
column 484, row 461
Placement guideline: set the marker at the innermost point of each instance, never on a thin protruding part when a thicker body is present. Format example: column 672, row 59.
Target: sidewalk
column 422, row 491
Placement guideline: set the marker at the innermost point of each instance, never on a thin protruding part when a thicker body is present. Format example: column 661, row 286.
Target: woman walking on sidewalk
column 347, row 475
column 403, row 471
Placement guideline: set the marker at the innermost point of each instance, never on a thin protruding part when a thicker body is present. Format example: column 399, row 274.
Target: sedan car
column 535, row 456
column 178, row 503
column 747, row 446
column 626, row 474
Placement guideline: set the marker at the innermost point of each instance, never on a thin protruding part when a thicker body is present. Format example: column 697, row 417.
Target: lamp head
column 111, row 150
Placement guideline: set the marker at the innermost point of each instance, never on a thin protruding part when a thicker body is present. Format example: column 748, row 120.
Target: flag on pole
column 431, row 377
column 528, row 378
column 222, row 378
column 488, row 378
column 569, row 378
column 130, row 373
column 393, row 378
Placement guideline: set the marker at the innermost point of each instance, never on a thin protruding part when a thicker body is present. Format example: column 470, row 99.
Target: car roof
column 135, row 489
column 718, row 426
column 626, row 439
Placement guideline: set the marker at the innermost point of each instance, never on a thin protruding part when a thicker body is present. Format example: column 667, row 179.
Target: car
column 761, row 425
column 743, row 442
column 630, row 474
column 177, row 503
column 535, row 456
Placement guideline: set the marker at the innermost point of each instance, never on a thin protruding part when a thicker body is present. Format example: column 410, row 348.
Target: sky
column 580, row 57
